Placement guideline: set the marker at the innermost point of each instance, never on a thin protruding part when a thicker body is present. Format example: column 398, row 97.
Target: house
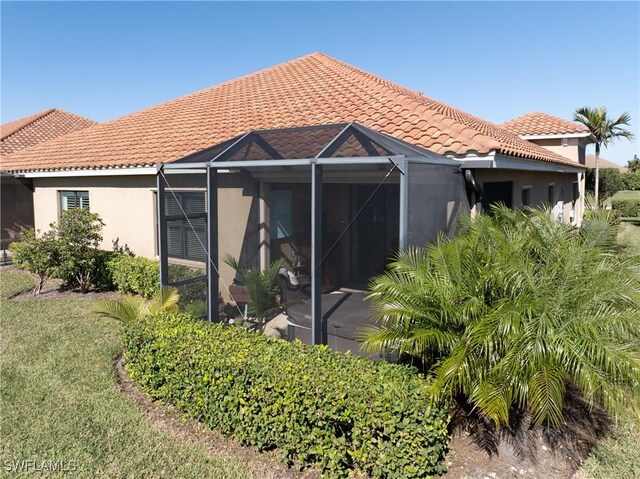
column 17, row 135
column 604, row 163
column 298, row 110
column 565, row 138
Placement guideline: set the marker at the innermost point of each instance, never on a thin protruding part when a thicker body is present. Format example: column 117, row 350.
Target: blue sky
column 495, row 60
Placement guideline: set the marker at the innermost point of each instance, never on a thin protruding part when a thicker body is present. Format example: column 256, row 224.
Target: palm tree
column 132, row 308
column 262, row 287
column 604, row 131
column 512, row 312
column 634, row 165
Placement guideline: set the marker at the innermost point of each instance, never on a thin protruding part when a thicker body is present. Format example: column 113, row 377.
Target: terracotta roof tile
column 603, row 163
column 542, row 124
column 35, row 129
column 311, row 90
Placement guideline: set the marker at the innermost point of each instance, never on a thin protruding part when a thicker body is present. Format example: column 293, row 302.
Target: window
column 74, row 199
column 525, row 196
column 551, row 195
column 281, row 213
column 495, row 193
column 185, row 238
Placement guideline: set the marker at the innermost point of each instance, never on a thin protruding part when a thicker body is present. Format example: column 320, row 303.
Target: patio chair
column 290, row 292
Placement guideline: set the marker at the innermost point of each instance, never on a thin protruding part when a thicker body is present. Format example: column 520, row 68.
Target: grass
column 629, row 235
column 626, row 195
column 13, row 282
column 619, row 455
column 60, row 401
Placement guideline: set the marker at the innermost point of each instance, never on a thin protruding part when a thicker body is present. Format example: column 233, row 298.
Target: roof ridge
column 35, row 117
column 40, row 128
column 207, row 89
column 532, row 122
column 419, row 98
column 311, row 89
column 433, row 104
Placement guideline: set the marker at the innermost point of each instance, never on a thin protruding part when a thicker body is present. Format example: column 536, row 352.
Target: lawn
column 626, row 195
column 629, row 235
column 619, row 455
column 60, row 400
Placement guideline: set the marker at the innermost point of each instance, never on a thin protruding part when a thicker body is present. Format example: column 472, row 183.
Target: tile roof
column 591, row 163
column 312, row 90
column 538, row 123
column 34, row 129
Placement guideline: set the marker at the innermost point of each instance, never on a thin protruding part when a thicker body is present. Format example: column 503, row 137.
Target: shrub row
column 627, row 207
column 134, row 275
column 338, row 412
column 631, row 181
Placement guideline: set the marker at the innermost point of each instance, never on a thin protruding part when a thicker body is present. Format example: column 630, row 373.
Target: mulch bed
column 55, row 289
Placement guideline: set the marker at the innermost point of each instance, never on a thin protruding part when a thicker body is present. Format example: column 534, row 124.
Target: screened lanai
column 335, row 200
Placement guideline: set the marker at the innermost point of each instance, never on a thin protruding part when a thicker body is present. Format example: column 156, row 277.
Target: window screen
column 526, row 196
column 74, row 199
column 185, row 238
column 281, row 211
column 551, row 195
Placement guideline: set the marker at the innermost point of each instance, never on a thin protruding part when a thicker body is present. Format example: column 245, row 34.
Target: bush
column 627, row 207
column 38, row 255
column 317, row 407
column 631, row 181
column 512, row 312
column 190, row 293
column 135, row 275
column 79, row 234
column 610, row 182
column 601, row 227
column 611, row 217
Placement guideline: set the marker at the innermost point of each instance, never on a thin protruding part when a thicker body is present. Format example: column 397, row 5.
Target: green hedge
column 631, row 181
column 338, row 412
column 627, row 208
column 134, row 275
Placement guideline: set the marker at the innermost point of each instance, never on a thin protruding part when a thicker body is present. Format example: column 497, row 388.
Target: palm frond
column 165, row 300
column 513, row 308
column 124, row 310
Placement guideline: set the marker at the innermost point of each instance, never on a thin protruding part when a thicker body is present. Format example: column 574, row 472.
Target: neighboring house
column 565, row 138
column 18, row 135
column 591, row 163
column 112, row 167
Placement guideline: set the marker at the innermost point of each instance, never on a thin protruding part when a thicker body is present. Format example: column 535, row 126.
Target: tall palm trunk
column 597, row 174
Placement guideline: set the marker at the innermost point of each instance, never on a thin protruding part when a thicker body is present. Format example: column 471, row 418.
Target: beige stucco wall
column 126, row 204
column 571, row 148
column 539, row 185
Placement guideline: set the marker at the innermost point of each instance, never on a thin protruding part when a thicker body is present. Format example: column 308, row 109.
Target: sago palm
column 510, row 311
column 604, row 131
column 262, row 287
column 129, row 309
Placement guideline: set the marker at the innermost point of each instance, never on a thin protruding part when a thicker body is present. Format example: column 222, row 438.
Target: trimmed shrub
column 610, row 182
column 103, row 275
column 627, row 207
column 631, row 181
column 339, row 412
column 135, row 275
column 79, row 233
column 36, row 254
